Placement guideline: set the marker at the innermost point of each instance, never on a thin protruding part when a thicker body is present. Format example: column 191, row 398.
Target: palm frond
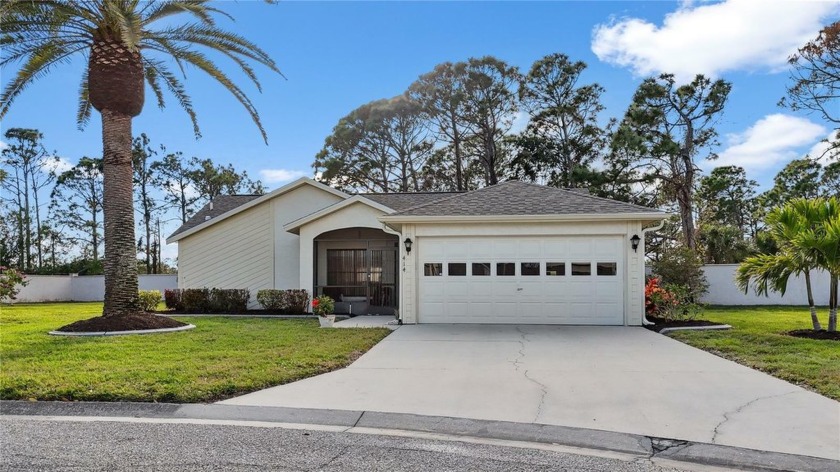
column 176, row 88
column 85, row 107
column 36, row 67
column 39, row 34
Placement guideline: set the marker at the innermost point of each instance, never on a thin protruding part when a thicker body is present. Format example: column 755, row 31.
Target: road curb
column 638, row 445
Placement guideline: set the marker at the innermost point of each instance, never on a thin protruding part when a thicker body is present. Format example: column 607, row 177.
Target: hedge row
column 284, row 301
column 207, row 300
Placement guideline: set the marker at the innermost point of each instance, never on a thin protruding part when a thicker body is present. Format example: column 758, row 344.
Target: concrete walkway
column 372, row 321
column 619, row 379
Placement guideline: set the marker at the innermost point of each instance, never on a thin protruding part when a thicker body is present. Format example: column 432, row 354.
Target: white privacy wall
column 723, row 291
column 83, row 288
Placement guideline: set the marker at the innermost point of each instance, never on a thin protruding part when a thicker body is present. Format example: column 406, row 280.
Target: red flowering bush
column 656, row 297
column 670, row 302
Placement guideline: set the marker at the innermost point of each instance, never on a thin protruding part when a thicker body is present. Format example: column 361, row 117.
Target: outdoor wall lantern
column 408, row 242
column 634, row 242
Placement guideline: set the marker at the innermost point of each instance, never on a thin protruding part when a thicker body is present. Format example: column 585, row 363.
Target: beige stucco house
column 510, row 253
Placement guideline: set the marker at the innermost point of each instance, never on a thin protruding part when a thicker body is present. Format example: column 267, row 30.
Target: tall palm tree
column 127, row 44
column 771, row 272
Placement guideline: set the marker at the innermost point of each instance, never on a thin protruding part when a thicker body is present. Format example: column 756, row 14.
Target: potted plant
column 323, row 306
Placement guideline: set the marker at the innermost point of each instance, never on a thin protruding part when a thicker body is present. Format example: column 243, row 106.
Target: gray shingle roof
column 522, row 198
column 221, row 204
column 404, row 201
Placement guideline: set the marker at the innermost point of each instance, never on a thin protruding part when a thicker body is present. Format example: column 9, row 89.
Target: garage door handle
column 519, row 290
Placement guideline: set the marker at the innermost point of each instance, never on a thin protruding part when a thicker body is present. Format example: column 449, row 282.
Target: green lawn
column 756, row 340
column 220, row 358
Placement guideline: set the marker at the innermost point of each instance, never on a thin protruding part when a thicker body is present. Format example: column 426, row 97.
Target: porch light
column 634, row 242
column 408, row 242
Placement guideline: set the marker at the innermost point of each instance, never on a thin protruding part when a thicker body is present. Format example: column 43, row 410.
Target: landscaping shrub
column 149, row 300
column 232, row 300
column 273, row 299
column 670, row 302
column 205, row 300
column 173, row 300
column 298, row 301
column 323, row 305
column 682, row 266
column 196, row 300
column 11, row 281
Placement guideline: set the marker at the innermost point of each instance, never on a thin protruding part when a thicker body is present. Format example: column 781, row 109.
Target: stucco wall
column 296, row 204
column 723, row 291
column 85, row 288
column 356, row 215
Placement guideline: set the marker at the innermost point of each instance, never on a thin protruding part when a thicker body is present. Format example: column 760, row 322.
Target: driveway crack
column 728, row 415
column 517, row 363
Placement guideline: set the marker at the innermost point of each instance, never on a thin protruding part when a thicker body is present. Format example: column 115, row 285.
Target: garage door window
column 480, row 268
column 555, row 268
column 530, row 268
column 607, row 268
column 505, row 268
column 581, row 268
column 433, row 269
column 457, row 268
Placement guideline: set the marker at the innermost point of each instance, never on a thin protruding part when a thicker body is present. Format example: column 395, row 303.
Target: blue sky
column 338, row 56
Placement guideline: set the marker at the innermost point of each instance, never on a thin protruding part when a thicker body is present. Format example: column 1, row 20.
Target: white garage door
column 533, row 280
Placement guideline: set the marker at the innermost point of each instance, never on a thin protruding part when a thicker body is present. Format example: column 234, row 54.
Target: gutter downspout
column 388, row 230
column 661, row 224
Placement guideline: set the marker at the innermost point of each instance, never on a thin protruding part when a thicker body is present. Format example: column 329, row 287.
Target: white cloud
column 3, row 145
column 772, row 140
column 818, row 151
column 274, row 176
column 712, row 38
column 57, row 164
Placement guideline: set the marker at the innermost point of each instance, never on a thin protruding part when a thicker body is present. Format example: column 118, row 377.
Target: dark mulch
column 122, row 323
column 813, row 334
column 662, row 323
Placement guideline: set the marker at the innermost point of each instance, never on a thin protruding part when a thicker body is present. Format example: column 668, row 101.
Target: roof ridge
column 457, row 194
column 588, row 195
column 407, row 193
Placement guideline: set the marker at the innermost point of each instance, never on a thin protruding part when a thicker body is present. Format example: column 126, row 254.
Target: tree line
column 51, row 214
column 453, row 129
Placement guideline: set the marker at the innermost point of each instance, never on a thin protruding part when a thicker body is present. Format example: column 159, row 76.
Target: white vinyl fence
column 83, row 288
column 723, row 291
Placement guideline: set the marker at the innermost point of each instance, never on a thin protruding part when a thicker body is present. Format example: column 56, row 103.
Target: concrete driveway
column 609, row 378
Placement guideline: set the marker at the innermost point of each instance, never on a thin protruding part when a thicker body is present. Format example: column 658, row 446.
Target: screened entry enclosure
column 358, row 268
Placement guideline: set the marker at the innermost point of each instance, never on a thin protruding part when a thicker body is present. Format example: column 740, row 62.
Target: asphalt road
column 43, row 444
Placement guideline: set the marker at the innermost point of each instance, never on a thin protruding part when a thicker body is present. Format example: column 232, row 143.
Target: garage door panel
column 536, row 299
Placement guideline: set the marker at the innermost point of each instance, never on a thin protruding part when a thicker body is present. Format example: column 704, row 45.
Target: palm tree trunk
column 814, row 318
column 120, row 264
column 832, row 311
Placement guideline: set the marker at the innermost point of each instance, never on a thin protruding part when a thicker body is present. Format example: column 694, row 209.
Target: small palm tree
column 824, row 240
column 126, row 44
column 771, row 272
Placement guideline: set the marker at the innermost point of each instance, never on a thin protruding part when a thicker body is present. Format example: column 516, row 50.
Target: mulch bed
column 812, row 334
column 121, row 323
column 662, row 323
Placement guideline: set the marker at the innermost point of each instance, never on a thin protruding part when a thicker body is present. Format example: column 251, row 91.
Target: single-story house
column 510, row 253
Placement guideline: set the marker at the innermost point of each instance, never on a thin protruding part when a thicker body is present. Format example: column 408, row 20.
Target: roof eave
column 640, row 216
column 284, row 189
